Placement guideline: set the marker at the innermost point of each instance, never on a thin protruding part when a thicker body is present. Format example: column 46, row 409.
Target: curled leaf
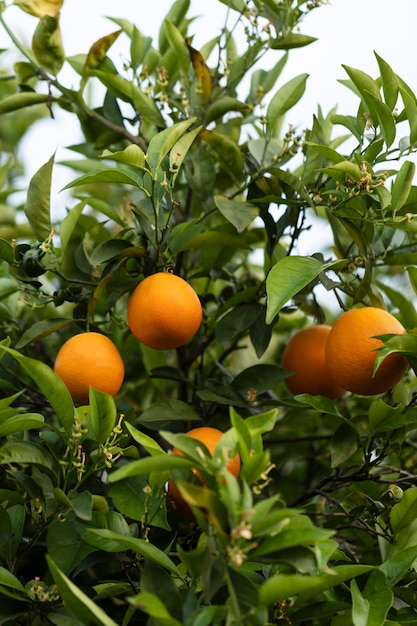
column 98, row 50
column 47, row 44
column 202, row 72
column 40, row 8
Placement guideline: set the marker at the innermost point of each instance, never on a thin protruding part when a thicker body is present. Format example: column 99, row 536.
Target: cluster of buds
column 367, row 183
column 41, row 592
column 110, row 449
column 240, row 541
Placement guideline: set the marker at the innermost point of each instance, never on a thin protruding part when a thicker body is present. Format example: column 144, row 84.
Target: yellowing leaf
column 47, row 44
column 98, row 50
column 40, row 8
column 202, row 72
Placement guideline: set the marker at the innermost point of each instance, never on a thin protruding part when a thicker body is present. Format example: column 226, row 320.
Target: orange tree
column 189, row 167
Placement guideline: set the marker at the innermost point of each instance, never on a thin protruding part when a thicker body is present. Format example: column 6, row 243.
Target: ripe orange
column 305, row 356
column 351, row 351
column 89, row 359
column 164, row 311
column 210, row 437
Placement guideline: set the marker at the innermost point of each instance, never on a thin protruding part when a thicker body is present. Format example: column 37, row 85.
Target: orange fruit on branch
column 164, row 312
column 89, row 359
column 210, row 437
column 305, row 356
column 352, row 348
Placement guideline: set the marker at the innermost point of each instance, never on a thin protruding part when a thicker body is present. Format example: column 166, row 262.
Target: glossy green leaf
column 50, row 385
column 229, row 156
column 107, row 540
column 144, row 440
column 40, row 330
column 370, row 610
column 37, row 206
column 103, row 414
column 108, row 176
column 158, row 463
column 365, row 86
column 162, row 143
column 22, row 100
column 20, row 423
column 168, row 410
column 180, row 150
column 132, row 155
column 177, row 42
column 76, row 600
column 389, row 82
column 405, row 512
column 26, row 452
column 288, row 277
column 343, row 170
column 292, row 40
column 110, row 249
column 221, row 106
column 239, row 213
column 384, row 118
column 410, row 106
column 154, row 606
column 129, row 92
column 285, row 98
column 401, row 186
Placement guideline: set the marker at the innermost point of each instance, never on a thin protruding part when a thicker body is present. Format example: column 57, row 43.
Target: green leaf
column 288, row 277
column 385, row 118
column 223, row 105
column 389, row 82
column 37, row 206
column 132, row 155
column 26, row 452
column 149, row 444
column 7, row 252
column 168, row 410
column 43, row 329
column 152, row 605
column 240, row 214
column 290, row 41
column 22, row 100
column 107, row 540
column 285, row 98
column 50, row 385
column 344, row 444
column 129, row 92
column 283, row 586
column 110, row 249
column 161, row 143
column 401, row 186
column 159, row 463
column 114, row 175
column 365, row 86
column 180, row 150
column 229, row 156
column 405, row 511
column 20, row 423
column 9, row 580
column 410, row 106
column 76, row 600
column 178, row 43
column 370, row 610
column 103, row 414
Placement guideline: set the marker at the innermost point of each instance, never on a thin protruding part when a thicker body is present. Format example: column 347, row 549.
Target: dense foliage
column 189, row 165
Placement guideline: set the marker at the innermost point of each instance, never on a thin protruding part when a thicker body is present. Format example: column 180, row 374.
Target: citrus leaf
column 76, row 600
column 240, row 214
column 40, row 330
column 20, row 423
column 37, row 206
column 103, row 414
column 39, row 8
column 47, row 44
column 158, row 463
column 285, row 98
column 288, row 277
column 50, row 385
column 107, row 176
column 21, row 100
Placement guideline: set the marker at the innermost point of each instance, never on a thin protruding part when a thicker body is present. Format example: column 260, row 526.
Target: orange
column 351, row 351
column 210, row 437
column 164, row 311
column 89, row 359
column 304, row 355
